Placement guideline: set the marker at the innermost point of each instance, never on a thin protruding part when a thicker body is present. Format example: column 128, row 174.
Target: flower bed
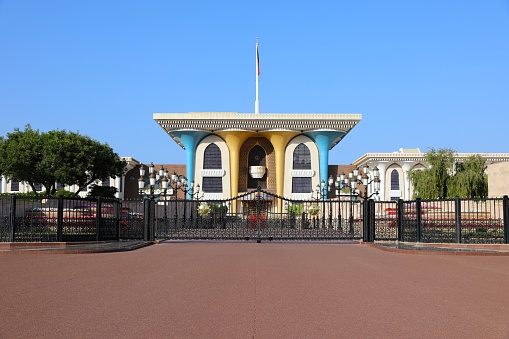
column 253, row 222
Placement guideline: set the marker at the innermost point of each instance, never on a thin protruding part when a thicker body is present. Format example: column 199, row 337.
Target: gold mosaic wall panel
column 270, row 160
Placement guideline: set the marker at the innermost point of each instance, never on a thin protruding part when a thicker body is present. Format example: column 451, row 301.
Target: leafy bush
column 219, row 209
column 294, row 208
column 65, row 194
column 101, row 191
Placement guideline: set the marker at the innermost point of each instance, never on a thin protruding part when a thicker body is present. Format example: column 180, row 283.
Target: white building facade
column 394, row 168
column 11, row 186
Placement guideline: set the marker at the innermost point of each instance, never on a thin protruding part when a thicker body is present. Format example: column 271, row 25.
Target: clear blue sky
column 423, row 74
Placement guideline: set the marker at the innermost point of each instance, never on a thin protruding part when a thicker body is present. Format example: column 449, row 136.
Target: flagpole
column 257, row 103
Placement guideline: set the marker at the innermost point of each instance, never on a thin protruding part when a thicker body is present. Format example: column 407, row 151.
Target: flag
column 257, row 59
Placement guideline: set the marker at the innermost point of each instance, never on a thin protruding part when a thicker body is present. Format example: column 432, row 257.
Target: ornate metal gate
column 259, row 215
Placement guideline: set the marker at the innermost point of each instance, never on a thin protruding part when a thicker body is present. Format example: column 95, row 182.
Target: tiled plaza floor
column 250, row 290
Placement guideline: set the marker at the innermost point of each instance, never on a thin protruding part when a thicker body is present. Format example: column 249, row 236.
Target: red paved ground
column 249, row 290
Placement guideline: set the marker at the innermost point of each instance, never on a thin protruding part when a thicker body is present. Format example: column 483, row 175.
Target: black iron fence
column 40, row 219
column 256, row 215
column 454, row 221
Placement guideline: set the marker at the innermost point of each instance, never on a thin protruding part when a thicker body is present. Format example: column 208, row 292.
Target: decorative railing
column 254, row 215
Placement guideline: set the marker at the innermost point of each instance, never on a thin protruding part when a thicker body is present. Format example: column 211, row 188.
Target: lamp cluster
column 168, row 183
column 354, row 178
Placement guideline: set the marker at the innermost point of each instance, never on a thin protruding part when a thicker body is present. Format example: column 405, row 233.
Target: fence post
column 365, row 221
column 153, row 220
column 399, row 220
column 505, row 209
column 12, row 219
column 371, row 220
column 418, row 217
column 98, row 219
column 146, row 219
column 149, row 220
column 258, row 190
column 457, row 203
column 60, row 217
column 117, row 211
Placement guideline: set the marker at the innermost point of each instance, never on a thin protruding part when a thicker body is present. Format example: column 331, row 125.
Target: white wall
column 315, row 166
column 225, row 164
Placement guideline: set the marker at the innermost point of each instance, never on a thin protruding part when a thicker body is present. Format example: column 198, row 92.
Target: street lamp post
column 329, row 192
column 321, row 195
column 367, row 180
column 152, row 196
column 339, row 184
column 369, row 206
column 159, row 178
column 161, row 184
column 351, row 181
column 180, row 183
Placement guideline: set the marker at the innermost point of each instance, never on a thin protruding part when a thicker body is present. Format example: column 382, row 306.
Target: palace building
column 231, row 153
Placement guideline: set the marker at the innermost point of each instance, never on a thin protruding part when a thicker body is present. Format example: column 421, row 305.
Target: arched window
column 212, row 160
column 301, row 157
column 394, row 180
column 302, row 160
column 212, row 157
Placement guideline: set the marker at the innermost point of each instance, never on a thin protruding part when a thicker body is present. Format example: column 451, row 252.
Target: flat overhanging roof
column 264, row 122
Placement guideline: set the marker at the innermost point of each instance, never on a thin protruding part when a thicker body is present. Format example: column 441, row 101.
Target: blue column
column 190, row 140
column 324, row 140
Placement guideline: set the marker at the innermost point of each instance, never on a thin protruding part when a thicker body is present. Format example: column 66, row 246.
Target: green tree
column 470, row 179
column 431, row 182
column 423, row 184
column 445, row 178
column 100, row 191
column 56, row 156
column 20, row 153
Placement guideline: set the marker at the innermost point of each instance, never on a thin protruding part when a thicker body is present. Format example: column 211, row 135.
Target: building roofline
column 213, row 122
column 221, row 121
column 421, row 157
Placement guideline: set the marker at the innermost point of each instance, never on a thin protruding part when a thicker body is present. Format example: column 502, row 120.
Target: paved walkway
column 250, row 290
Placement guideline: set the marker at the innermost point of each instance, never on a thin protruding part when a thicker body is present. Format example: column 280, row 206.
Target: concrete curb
column 71, row 248
column 443, row 249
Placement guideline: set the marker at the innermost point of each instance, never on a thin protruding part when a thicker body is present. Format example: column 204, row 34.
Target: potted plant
column 313, row 210
column 203, row 209
column 293, row 210
column 219, row 213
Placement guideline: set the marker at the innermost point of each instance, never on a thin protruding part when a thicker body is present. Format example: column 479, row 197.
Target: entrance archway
column 257, row 151
column 257, row 158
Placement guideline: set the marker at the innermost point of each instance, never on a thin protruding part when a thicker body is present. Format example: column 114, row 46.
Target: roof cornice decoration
column 221, row 121
column 421, row 157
